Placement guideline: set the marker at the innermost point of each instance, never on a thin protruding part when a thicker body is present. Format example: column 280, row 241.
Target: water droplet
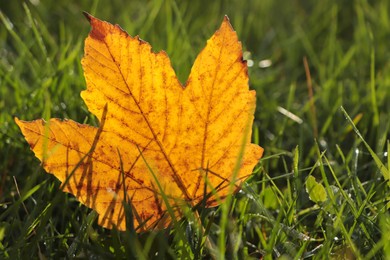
column 246, row 55
column 323, row 143
column 265, row 63
column 357, row 151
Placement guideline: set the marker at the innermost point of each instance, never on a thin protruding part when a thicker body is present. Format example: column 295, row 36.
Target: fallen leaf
column 189, row 137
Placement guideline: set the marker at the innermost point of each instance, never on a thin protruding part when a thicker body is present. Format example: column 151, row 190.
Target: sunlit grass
column 344, row 144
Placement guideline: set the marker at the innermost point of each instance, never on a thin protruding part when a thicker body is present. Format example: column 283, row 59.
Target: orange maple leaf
column 153, row 131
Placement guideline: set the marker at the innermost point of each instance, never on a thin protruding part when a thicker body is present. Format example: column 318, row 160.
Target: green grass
column 339, row 135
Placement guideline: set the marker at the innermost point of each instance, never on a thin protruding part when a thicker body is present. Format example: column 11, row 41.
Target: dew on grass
column 289, row 114
column 265, row 63
column 323, row 143
column 246, row 55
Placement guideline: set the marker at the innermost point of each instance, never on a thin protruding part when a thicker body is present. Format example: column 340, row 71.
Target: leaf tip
column 17, row 121
column 88, row 16
column 226, row 22
column 98, row 31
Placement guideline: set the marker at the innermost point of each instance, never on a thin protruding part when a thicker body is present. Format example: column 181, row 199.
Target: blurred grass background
column 345, row 44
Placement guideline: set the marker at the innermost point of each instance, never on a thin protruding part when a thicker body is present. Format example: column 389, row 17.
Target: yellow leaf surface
column 190, row 137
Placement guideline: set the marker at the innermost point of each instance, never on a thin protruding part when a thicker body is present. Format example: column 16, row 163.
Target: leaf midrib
column 179, row 182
